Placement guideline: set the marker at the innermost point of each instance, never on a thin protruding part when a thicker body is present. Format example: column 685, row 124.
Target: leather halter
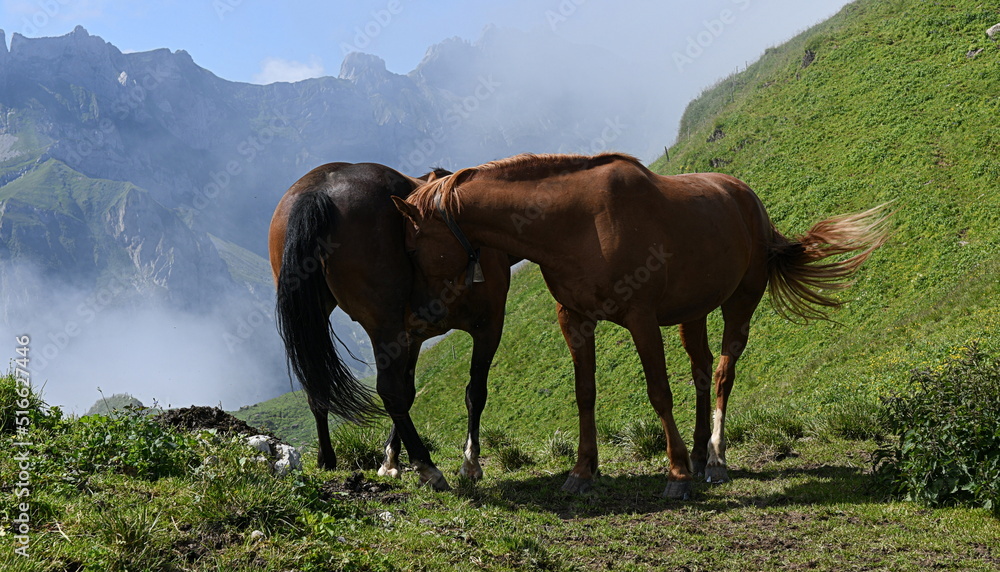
column 474, row 271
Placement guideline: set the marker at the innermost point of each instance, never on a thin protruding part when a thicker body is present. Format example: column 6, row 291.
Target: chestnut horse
column 617, row 242
column 336, row 240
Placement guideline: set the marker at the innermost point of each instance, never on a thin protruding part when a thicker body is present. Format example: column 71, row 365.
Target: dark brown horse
column 336, row 240
column 617, row 242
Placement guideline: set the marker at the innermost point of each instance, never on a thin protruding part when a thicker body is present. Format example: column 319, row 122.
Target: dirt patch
column 357, row 487
column 193, row 548
column 197, row 417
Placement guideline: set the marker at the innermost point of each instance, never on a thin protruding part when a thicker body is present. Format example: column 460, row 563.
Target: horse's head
column 447, row 262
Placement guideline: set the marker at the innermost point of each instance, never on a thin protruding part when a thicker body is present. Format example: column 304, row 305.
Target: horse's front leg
column 694, row 338
column 579, row 333
column 485, row 342
column 649, row 344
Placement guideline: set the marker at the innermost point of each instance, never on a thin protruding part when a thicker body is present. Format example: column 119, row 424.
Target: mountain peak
column 78, row 43
column 358, row 66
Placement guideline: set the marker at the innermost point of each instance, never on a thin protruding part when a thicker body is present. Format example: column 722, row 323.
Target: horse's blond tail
column 797, row 284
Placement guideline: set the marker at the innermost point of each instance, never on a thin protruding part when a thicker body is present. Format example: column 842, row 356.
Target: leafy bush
column 493, row 437
column 947, row 445
column 560, row 446
column 117, row 402
column 129, row 443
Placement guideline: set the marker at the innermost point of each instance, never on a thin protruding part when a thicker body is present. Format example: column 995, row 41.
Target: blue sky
column 261, row 41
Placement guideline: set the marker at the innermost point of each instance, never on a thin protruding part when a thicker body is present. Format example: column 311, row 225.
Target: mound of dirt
column 357, row 487
column 199, row 417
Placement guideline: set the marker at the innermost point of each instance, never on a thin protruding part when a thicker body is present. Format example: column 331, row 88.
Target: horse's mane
column 523, row 167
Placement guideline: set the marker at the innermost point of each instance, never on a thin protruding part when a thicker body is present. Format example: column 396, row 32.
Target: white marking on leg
column 717, row 444
column 390, row 467
column 470, row 465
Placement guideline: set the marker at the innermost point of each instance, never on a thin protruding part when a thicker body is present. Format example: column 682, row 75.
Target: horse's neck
column 510, row 219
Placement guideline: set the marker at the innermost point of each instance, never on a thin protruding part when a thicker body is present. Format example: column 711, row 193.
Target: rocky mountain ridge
column 149, row 172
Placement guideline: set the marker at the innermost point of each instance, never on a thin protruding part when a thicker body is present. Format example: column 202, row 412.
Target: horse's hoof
column 436, row 482
column 385, row 471
column 471, row 471
column 678, row 490
column 698, row 467
column 577, row 485
column 716, row 474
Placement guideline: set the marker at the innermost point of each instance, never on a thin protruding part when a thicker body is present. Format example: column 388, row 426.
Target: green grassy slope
column 287, row 415
column 890, row 108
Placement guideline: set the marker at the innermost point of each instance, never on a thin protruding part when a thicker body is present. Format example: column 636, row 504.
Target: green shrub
column 129, row 443
column 946, row 449
column 493, row 438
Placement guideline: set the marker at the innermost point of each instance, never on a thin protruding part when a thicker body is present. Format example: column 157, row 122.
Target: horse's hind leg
column 398, row 392
column 736, row 312
column 649, row 343
column 694, row 337
column 484, row 346
column 390, row 466
column 326, row 459
column 579, row 333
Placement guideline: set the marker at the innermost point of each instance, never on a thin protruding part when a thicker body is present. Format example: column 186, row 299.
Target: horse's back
column 708, row 230
column 366, row 266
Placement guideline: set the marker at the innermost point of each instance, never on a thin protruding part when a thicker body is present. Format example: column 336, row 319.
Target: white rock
column 994, row 31
column 260, row 442
column 289, row 459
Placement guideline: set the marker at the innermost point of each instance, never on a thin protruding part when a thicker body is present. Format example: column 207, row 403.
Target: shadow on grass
column 641, row 493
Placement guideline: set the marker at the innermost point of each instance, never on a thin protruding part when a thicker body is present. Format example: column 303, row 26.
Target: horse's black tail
column 303, row 310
